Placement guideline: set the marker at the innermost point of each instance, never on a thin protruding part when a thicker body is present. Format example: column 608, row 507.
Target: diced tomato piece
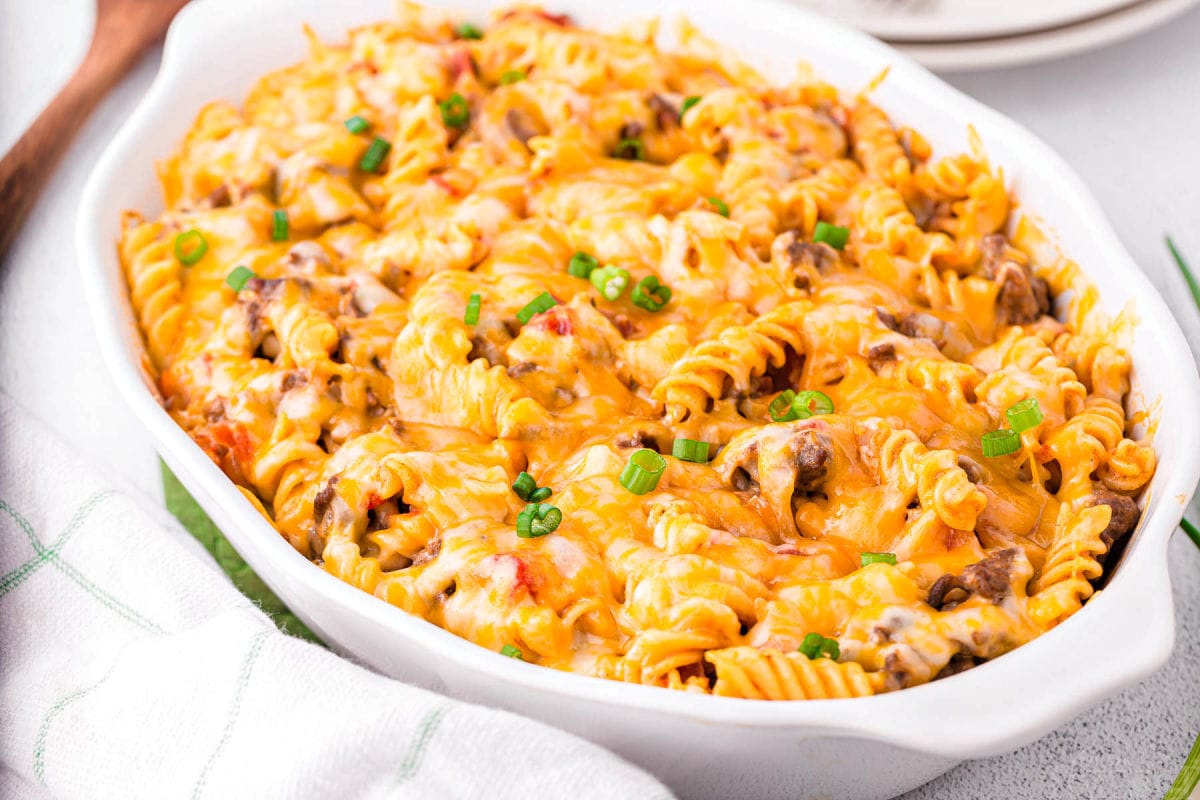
column 524, row 578
column 460, row 63
column 557, row 320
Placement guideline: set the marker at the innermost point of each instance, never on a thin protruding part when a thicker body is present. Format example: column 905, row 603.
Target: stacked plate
column 983, row 34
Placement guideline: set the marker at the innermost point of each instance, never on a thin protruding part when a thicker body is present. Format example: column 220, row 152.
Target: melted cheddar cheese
column 344, row 391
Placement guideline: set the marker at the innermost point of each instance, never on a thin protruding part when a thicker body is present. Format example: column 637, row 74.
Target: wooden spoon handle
column 118, row 41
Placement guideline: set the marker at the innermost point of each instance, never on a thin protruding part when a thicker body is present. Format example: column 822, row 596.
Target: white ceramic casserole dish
column 702, row 746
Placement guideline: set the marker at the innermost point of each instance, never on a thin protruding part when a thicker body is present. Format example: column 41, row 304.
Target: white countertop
column 1126, row 118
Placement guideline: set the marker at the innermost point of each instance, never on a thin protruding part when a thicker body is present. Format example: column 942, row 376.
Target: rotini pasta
column 629, row 363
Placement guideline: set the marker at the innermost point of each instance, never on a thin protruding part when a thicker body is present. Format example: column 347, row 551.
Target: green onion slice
column 512, row 652
column 690, row 450
column 524, row 485
column 811, row 645
column 807, row 403
column 375, row 154
column 455, row 111
column 356, row 124
column 279, row 225
column 688, row 102
column 1193, row 286
column 719, row 206
column 781, row 409
column 833, row 235
column 815, row 645
column 877, row 558
column 630, row 150
column 236, row 280
column 190, row 247
column 543, row 302
column 471, row 316
column 1000, row 443
column 466, row 30
column 540, row 494
column 525, row 521
column 610, row 281
column 512, row 76
column 538, row 519
column 650, row 294
column 1191, row 530
column 582, row 265
column 642, row 472
column 1024, row 415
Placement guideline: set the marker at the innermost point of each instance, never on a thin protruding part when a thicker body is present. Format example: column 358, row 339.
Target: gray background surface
column 1126, row 117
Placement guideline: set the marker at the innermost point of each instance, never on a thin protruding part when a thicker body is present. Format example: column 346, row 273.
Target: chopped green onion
column 815, row 645
column 455, row 111
column 512, row 652
column 610, row 281
column 642, row 472
column 512, row 76
column 1193, row 286
column 877, row 558
column 548, row 519
column 471, row 316
column 582, row 265
column 688, row 102
column 543, row 302
column 375, row 154
column 630, row 150
column 719, row 205
column 466, row 30
column 789, row 405
column 833, row 235
column 1189, row 776
column 1191, row 531
column 811, row 645
column 538, row 519
column 279, row 225
column 1000, row 443
column 525, row 521
column 526, row 488
column 781, row 409
column 190, row 247
column 650, row 294
column 524, row 485
column 356, row 124
column 1024, row 415
column 236, row 280
column 690, row 450
column 807, row 403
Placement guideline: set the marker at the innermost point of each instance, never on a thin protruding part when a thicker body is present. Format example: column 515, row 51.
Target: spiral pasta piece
column 877, row 147
column 765, row 675
column 154, row 285
column 727, row 363
column 1071, row 564
column 933, row 477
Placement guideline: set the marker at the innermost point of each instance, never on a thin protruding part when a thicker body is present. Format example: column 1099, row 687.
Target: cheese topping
column 805, row 245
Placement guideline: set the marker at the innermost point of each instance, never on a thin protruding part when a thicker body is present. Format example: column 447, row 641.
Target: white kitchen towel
column 130, row 667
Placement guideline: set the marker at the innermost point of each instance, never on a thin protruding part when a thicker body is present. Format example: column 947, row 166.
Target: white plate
column 704, row 747
column 949, row 20
column 1008, row 51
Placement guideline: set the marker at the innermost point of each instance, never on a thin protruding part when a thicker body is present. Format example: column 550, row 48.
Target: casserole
column 674, row 738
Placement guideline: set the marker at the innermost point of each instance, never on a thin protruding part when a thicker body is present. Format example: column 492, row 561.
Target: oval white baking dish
column 702, row 746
